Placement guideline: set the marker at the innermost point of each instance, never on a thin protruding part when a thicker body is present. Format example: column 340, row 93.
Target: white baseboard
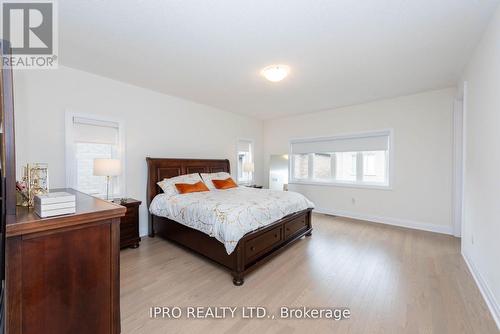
column 389, row 221
column 485, row 290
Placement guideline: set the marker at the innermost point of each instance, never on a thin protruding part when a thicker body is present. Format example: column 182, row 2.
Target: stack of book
column 54, row 204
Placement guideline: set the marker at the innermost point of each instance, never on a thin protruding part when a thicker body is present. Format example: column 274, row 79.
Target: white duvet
column 229, row 214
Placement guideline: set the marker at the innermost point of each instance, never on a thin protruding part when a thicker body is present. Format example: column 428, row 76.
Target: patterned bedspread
column 229, row 214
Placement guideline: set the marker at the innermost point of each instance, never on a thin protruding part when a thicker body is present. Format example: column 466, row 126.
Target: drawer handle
column 276, row 235
column 252, row 248
column 288, row 229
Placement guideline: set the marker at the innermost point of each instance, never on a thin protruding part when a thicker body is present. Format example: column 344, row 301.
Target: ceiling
column 340, row 52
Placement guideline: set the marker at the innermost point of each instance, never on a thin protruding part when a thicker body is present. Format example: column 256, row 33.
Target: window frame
column 70, row 148
column 252, row 159
column 359, row 183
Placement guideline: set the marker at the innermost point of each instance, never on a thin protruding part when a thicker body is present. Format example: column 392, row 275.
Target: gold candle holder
column 36, row 176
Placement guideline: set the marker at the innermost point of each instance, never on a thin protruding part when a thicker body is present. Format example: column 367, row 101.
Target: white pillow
column 208, row 177
column 168, row 185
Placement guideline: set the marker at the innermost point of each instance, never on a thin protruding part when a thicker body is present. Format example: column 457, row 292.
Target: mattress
column 228, row 215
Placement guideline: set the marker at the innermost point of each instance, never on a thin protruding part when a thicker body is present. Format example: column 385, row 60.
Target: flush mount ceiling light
column 275, row 73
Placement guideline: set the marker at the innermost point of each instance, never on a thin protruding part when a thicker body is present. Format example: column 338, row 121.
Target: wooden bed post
column 151, row 230
column 238, row 274
column 309, row 223
column 150, row 193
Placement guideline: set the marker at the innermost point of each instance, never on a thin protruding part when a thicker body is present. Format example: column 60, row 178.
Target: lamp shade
column 107, row 167
column 248, row 167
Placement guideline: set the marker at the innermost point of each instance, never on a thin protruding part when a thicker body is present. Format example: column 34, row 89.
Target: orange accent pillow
column 185, row 188
column 224, row 184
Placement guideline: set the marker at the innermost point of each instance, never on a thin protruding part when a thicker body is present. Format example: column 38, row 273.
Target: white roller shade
column 374, row 142
column 94, row 131
column 244, row 146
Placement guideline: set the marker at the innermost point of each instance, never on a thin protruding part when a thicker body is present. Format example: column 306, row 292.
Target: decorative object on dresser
column 35, row 182
column 253, row 250
column 129, row 224
column 108, row 168
column 22, row 194
column 55, row 204
column 63, row 272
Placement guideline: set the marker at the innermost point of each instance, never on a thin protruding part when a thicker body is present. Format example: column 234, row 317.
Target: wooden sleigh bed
column 254, row 249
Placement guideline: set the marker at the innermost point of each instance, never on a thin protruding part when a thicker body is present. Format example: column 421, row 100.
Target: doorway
column 278, row 172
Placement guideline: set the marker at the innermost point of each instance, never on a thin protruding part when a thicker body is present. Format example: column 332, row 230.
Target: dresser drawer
column 263, row 243
column 295, row 226
column 128, row 230
column 132, row 211
column 129, row 220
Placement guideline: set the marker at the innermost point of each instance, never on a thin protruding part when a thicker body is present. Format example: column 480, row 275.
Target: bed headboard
column 159, row 169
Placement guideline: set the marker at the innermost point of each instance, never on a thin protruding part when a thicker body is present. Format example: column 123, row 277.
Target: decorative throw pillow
column 208, row 177
column 168, row 185
column 224, row 184
column 186, row 188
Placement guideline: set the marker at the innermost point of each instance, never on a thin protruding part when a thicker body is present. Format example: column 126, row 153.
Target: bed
column 251, row 250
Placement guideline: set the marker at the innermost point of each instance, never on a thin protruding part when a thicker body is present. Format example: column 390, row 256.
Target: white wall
column 481, row 231
column 422, row 181
column 157, row 125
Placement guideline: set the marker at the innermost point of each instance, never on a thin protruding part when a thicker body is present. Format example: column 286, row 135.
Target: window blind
column 371, row 142
column 95, row 131
column 244, row 146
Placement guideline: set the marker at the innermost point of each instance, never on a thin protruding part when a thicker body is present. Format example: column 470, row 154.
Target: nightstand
column 129, row 224
column 254, row 186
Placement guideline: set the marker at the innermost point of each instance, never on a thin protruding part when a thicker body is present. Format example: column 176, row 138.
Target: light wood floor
column 394, row 280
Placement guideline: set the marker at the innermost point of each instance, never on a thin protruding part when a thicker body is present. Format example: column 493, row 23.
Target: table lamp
column 108, row 168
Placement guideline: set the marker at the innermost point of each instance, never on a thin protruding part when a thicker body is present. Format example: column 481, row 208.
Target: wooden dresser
column 63, row 272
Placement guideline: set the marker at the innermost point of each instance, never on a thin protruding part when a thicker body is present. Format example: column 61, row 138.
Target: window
column 301, row 166
column 356, row 159
column 374, row 166
column 345, row 166
column 89, row 138
column 245, row 161
column 322, row 166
